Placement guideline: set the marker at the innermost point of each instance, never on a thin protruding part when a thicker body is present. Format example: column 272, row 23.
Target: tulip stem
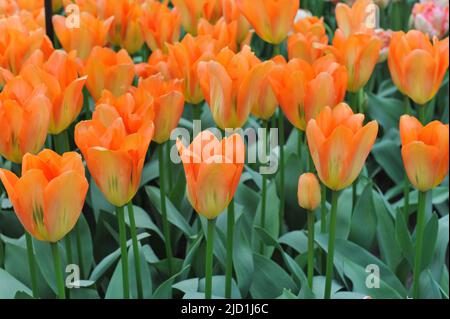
column 169, row 171
column 196, row 111
column 354, row 193
column 123, row 252
column 310, row 248
column 422, row 115
column 68, row 244
column 406, row 196
column 209, row 258
column 407, row 104
column 299, row 148
column 165, row 221
column 230, row 237
column 323, row 222
column 137, row 259
column 419, row 243
column 61, row 142
column 331, row 239
column 58, row 271
column 264, row 187
column 87, row 108
column 281, row 132
column 32, row 265
column 79, row 250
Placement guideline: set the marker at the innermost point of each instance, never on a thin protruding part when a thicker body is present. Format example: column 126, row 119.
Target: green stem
column 323, row 223
column 360, row 94
column 310, row 248
column 281, row 134
column 419, row 243
column 264, row 189
column 58, row 271
column 124, row 253
column 422, row 114
column 407, row 104
column 354, row 193
column 61, row 142
column 169, row 171
column 230, row 237
column 299, row 148
column 32, row 265
column 406, row 187
column 196, row 111
column 331, row 239
column 68, row 244
column 209, row 258
column 276, row 49
column 86, row 106
column 137, row 258
column 79, row 250
column 165, row 221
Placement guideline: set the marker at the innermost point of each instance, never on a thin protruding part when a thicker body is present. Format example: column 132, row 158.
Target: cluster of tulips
column 123, row 77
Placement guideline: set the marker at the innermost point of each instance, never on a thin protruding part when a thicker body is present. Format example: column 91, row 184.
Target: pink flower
column 431, row 17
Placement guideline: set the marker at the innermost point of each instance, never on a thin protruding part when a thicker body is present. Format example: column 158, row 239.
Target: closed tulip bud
column 183, row 60
column 339, row 145
column 303, row 43
column 424, row 152
column 191, row 11
column 224, row 33
column 92, row 32
column 359, row 53
column 160, row 25
column 232, row 13
column 417, row 66
column 49, row 197
column 357, row 18
column 24, row 119
column 303, row 90
column 272, row 19
column 230, row 86
column 213, row 169
column 168, row 103
column 64, row 87
column 114, row 147
column 308, row 191
column 108, row 70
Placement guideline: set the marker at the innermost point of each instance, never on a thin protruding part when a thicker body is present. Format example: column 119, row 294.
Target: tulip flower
column 309, row 198
column 160, row 25
column 91, row 33
column 424, row 152
column 272, row 19
column 357, row 18
column 308, row 191
column 108, row 70
column 49, row 196
column 64, row 87
column 265, row 103
column 224, row 33
column 229, row 86
column 168, row 103
column 359, row 53
column 114, row 148
column 232, row 13
column 213, row 10
column 303, row 90
column 431, row 17
column 339, row 145
column 213, row 169
column 303, row 43
column 183, row 60
column 24, row 119
column 191, row 11
column 417, row 66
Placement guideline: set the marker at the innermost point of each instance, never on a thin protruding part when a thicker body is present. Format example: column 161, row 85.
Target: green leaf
column 296, row 239
column 429, row 241
column 164, row 291
column 269, row 279
column 387, row 154
column 143, row 220
column 242, row 258
column 385, row 110
column 11, row 286
column 173, row 215
column 344, row 214
column 429, row 288
column 404, row 238
column 364, row 222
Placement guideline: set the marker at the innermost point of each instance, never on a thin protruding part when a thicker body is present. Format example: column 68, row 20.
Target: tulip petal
column 420, row 71
column 421, row 162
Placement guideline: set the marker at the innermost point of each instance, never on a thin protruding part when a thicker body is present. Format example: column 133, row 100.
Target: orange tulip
column 17, row 44
column 183, row 60
column 114, row 147
column 308, row 194
column 232, row 13
column 64, row 87
column 417, row 66
column 265, row 103
column 24, row 119
column 159, row 25
column 213, row 169
column 49, row 197
column 108, row 70
column 424, row 152
column 303, row 43
column 356, row 19
column 359, row 53
column 191, row 11
column 230, row 86
column 339, row 145
column 157, row 63
column 168, row 103
column 272, row 19
column 224, row 33
column 92, row 32
column 303, row 90
column 212, row 10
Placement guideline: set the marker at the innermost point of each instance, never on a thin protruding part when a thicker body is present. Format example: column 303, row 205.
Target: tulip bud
column 308, row 191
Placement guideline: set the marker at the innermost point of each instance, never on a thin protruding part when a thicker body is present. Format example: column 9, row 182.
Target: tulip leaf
column 11, row 286
column 404, row 238
column 387, row 154
column 364, row 222
column 429, row 241
column 143, row 220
